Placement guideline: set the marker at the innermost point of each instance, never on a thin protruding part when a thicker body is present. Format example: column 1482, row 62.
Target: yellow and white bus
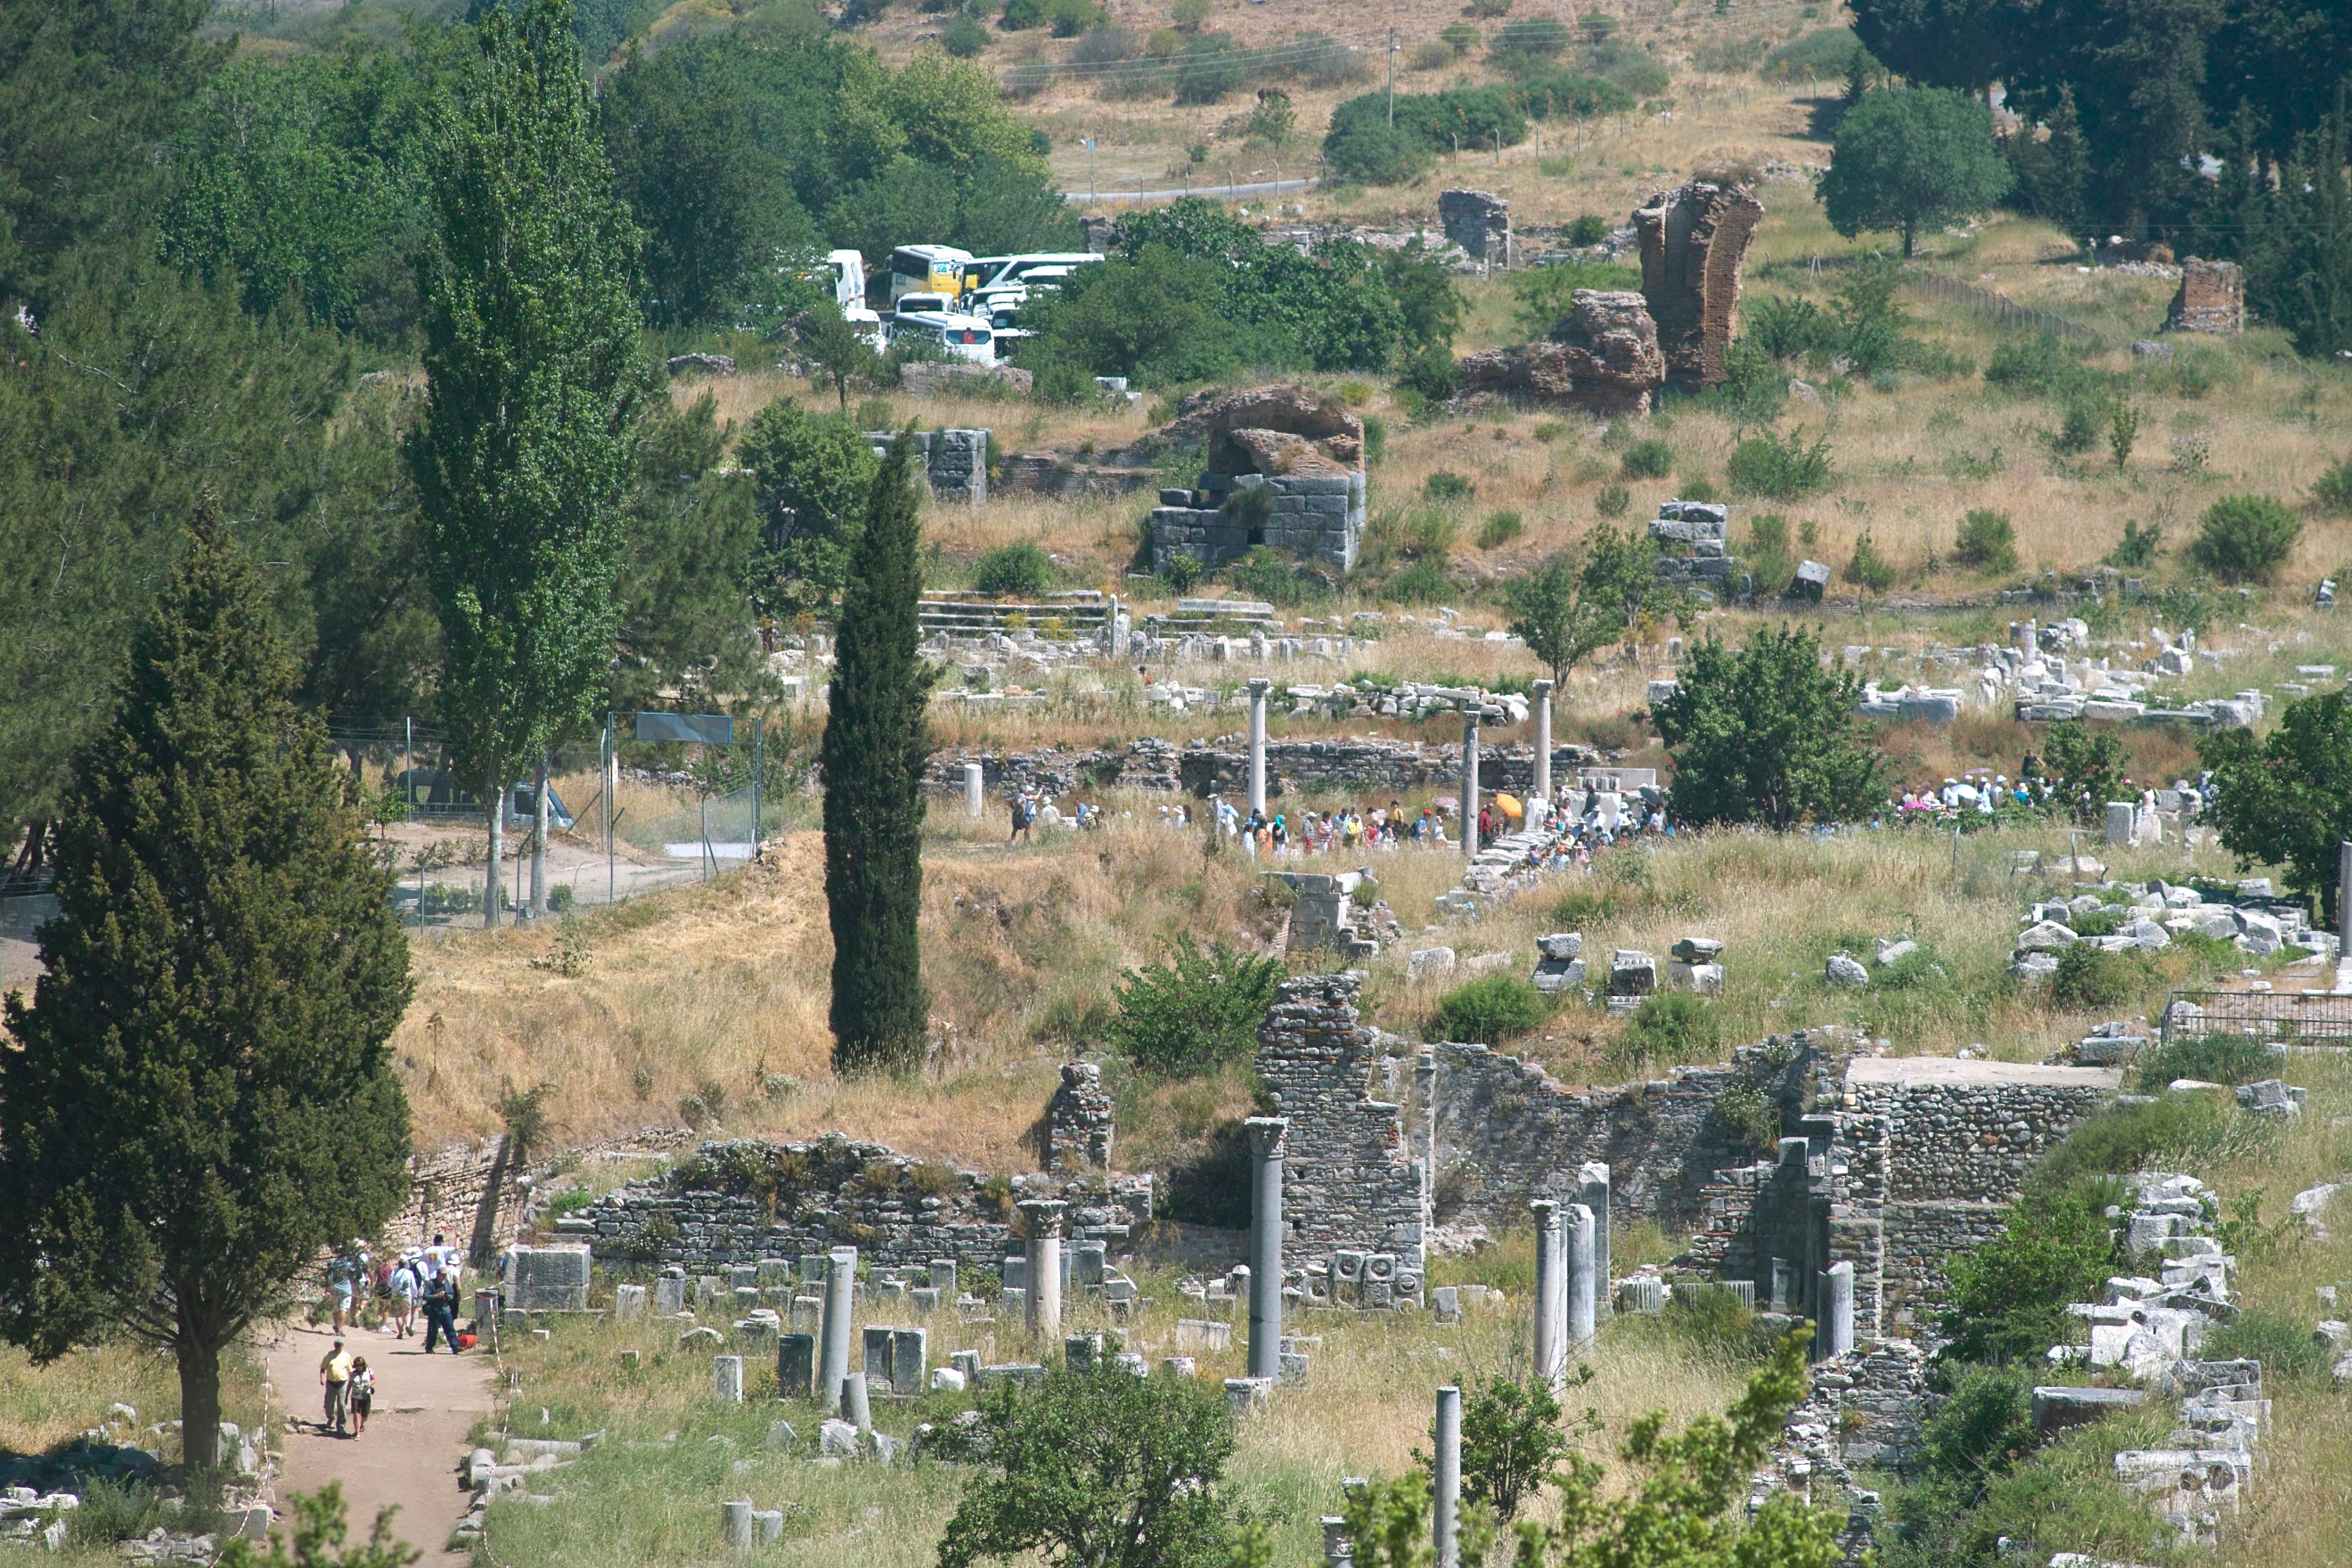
column 927, row 269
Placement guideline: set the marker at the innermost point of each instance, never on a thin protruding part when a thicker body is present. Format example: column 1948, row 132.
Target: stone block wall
column 955, row 462
column 2212, row 299
column 1693, row 241
column 1079, row 1122
column 467, row 1192
column 1477, row 221
column 1353, row 1196
column 1317, row 516
column 1505, row 1132
column 739, row 1202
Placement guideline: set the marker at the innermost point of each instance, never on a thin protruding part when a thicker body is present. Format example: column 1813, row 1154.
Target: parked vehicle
column 964, row 337
column 927, row 269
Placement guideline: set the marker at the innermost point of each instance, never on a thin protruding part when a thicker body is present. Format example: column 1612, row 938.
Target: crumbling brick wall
column 1079, row 1122
column 1693, row 239
column 1477, row 221
column 1353, row 1198
column 2212, row 299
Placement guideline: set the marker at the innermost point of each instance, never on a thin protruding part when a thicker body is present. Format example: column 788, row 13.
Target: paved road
column 1202, row 188
column 425, row 1405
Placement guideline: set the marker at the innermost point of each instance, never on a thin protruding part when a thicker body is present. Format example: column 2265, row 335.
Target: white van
column 972, row 339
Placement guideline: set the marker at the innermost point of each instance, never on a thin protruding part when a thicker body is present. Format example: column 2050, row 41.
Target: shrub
column 1448, row 485
column 1107, row 44
column 1267, row 574
column 1785, row 328
column 2215, row 1059
column 2127, row 1138
column 964, row 36
column 2245, row 539
column 1422, row 583
column 1697, row 487
column 1867, row 568
column 1182, row 573
column 1986, row 542
column 1460, row 38
column 1672, row 1026
column 2139, row 547
column 2007, row 1295
column 1500, row 528
column 2088, row 977
column 1648, row 459
column 1588, row 228
column 1020, row 570
column 1189, row 15
column 1613, row 501
column 2078, row 431
column 1196, row 1012
column 1490, row 1010
column 1206, row 71
column 1778, row 470
column 1715, row 1322
column 1429, row 55
column 2333, row 491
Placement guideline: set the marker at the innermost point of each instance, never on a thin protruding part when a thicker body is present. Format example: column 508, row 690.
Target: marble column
column 1551, row 1297
column 1045, row 1217
column 1266, row 1245
column 1257, row 689
column 1541, row 790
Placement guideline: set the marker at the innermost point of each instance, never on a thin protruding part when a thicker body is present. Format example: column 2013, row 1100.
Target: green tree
column 2051, row 170
column 2286, row 800
column 877, row 741
column 1560, row 622
column 530, row 334
column 2085, row 767
column 1512, row 1444
column 688, row 627
column 831, row 342
column 814, row 476
column 1618, row 575
column 1912, row 158
column 1095, row 1469
column 2009, row 1296
column 2245, row 539
column 1197, row 1011
column 321, row 1523
column 1680, row 1513
column 1768, row 735
column 91, row 91
column 201, row 1096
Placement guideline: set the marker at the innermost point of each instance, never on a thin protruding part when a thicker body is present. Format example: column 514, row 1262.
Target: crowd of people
column 426, row 1281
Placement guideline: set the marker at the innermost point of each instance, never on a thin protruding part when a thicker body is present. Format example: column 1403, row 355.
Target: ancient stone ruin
column 1693, row 240
column 1604, row 358
column 1285, row 467
column 1477, row 221
column 955, row 462
column 2212, row 299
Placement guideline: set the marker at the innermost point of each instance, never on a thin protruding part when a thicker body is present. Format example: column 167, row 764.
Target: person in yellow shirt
column 335, row 1377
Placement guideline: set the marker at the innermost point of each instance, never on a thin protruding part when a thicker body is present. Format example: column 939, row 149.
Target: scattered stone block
column 1844, row 971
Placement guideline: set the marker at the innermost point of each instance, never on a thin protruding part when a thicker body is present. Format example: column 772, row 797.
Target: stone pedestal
column 735, row 1522
column 1470, row 785
column 727, row 1378
column 795, row 1365
column 1833, row 1335
column 975, row 790
column 1541, row 790
column 1592, row 1191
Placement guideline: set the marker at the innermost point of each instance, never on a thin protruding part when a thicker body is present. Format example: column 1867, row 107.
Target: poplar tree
column 531, row 347
column 200, row 1096
column 877, row 741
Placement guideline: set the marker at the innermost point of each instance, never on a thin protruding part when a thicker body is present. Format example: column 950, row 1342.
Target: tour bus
column 927, row 269
column 1001, row 271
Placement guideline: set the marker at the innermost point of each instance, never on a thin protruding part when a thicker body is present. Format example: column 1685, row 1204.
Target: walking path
column 424, row 1406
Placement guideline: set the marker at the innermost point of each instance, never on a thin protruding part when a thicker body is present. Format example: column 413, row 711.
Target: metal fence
column 2000, row 307
column 2286, row 1017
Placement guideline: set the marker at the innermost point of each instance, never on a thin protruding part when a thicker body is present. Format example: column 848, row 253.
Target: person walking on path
column 362, row 1394
column 335, row 1377
column 404, row 1288
column 440, row 1312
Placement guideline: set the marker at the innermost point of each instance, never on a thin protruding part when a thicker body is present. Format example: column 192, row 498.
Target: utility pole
column 1392, row 53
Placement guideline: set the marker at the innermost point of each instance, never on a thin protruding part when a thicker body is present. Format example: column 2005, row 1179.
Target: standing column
column 975, row 790
column 1579, row 1275
column 2343, row 897
column 1470, row 783
column 833, row 1357
column 1833, row 1336
column 1257, row 689
column 1045, row 1217
column 1266, row 1245
column 1424, row 1084
column 1449, row 1477
column 1541, row 789
column 1592, row 1191
column 1551, row 1298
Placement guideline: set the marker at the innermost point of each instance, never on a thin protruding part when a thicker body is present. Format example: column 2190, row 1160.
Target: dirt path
column 425, row 1405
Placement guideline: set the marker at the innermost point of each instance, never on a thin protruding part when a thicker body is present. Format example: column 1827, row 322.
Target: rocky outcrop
column 1693, row 240
column 1241, row 429
column 1604, row 358
column 1272, row 452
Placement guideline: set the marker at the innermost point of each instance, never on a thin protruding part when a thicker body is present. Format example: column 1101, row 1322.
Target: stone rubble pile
column 2146, row 916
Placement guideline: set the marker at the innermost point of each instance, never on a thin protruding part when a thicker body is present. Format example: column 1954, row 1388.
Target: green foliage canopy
column 1195, row 1013
column 1912, row 158
column 1767, row 735
column 815, row 473
column 2286, row 800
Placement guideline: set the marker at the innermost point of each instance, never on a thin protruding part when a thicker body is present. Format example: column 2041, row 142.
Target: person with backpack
column 402, row 1291
column 441, row 1310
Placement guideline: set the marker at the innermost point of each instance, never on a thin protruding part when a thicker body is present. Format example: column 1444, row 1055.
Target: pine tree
column 876, row 740
column 530, row 342
column 202, row 1096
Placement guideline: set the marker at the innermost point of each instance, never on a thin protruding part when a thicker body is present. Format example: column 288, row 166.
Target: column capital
column 1541, row 687
column 1546, row 1212
column 1043, row 1215
column 1266, row 1136
column 1259, row 685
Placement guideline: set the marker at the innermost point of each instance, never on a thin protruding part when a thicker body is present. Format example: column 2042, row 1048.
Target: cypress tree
column 202, row 1096
column 876, row 740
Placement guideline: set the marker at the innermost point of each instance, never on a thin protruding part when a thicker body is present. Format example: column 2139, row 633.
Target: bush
column 1107, row 44
column 1672, row 1026
column 2245, row 539
column 1714, row 1322
column 2088, row 977
column 1019, row 571
column 1196, row 1012
column 1448, row 485
column 1182, row 573
column 2079, row 430
column 1500, row 528
column 1820, row 55
column 2287, row 1347
column 2008, row 1299
column 1613, row 501
column 2046, row 367
column 1588, row 228
column 1648, row 459
column 1490, row 1010
column 2127, row 1138
column 2333, row 492
column 1267, row 574
column 1460, row 38
column 1986, row 542
column 2139, row 546
column 1207, row 70
column 2214, row 1058
column 964, row 36
column 1779, row 470
column 1867, row 568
